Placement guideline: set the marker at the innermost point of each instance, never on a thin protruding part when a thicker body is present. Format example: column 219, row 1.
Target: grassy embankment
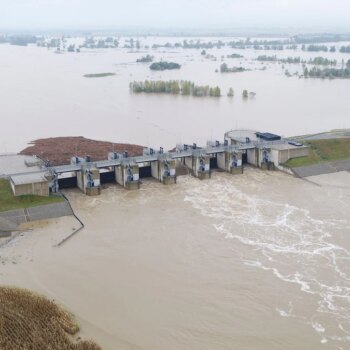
column 99, row 75
column 31, row 321
column 323, row 151
column 9, row 202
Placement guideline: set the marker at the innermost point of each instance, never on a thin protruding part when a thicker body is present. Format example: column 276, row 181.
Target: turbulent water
column 293, row 244
column 255, row 261
column 44, row 94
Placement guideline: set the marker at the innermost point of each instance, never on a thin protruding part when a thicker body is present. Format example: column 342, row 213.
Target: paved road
column 42, row 212
column 324, row 168
column 335, row 134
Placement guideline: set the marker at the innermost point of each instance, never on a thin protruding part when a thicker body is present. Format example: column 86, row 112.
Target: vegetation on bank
column 99, row 75
column 323, row 151
column 175, row 87
column 31, row 321
column 164, row 65
column 9, row 202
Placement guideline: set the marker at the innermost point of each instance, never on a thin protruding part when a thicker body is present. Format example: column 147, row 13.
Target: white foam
column 280, row 233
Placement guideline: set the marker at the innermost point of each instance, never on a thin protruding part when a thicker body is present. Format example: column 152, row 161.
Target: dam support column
column 265, row 159
column 88, row 180
column 201, row 166
column 230, row 161
column 164, row 170
column 127, row 175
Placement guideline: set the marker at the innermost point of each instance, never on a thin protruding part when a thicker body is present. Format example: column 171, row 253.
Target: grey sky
column 326, row 14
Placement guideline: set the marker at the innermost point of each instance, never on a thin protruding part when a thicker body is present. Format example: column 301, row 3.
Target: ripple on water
column 284, row 235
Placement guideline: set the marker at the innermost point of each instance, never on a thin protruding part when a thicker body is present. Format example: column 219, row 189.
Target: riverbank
column 10, row 202
column 328, row 153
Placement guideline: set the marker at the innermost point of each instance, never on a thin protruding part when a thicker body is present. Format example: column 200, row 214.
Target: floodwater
column 255, row 261
column 44, row 94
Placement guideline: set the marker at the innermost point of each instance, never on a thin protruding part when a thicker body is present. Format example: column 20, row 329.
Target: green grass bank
column 9, row 202
column 321, row 151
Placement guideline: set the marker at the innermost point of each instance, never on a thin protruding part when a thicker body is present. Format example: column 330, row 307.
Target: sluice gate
column 265, row 152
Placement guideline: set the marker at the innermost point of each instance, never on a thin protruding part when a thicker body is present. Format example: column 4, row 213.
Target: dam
column 263, row 150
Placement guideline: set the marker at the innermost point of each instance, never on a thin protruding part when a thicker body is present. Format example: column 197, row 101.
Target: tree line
column 175, row 87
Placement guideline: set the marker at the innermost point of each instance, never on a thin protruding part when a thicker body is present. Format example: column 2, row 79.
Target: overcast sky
column 79, row 14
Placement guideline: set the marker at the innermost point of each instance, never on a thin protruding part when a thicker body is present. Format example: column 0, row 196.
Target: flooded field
column 46, row 94
column 257, row 261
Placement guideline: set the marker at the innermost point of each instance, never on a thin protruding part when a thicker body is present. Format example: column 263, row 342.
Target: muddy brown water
column 45, row 94
column 258, row 261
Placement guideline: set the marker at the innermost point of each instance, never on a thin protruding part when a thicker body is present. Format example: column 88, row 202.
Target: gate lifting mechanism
column 90, row 178
column 130, row 176
column 234, row 162
column 266, row 155
column 166, row 169
column 201, row 165
column 54, row 181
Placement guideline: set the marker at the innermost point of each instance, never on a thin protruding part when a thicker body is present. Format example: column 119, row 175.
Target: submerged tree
column 230, row 92
column 245, row 94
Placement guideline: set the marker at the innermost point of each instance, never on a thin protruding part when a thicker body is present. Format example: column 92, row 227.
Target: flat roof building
column 30, row 184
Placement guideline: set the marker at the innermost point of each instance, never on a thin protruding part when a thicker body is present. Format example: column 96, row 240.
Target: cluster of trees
column 202, row 45
column 91, row 43
column 132, row 44
column 175, row 87
column 315, row 48
column 277, row 45
column 345, row 49
column 330, row 73
column 290, row 60
column 145, row 59
column 234, row 55
column 243, row 46
column 320, row 38
column 249, row 42
column 225, row 69
column 318, row 61
column 162, row 65
column 192, row 44
column 265, row 58
column 321, row 61
column 20, row 40
column 71, row 48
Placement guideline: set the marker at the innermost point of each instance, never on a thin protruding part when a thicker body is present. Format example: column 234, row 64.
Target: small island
column 162, row 65
column 99, row 75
